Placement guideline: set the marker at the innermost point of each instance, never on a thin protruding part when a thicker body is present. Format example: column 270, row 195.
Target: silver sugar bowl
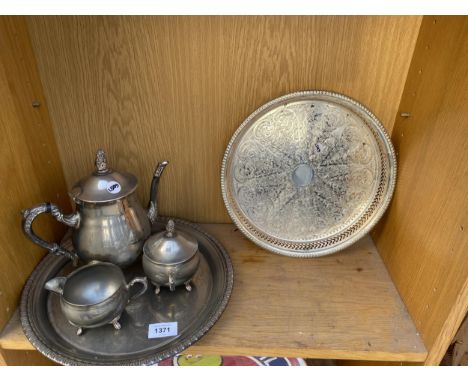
column 170, row 258
column 109, row 223
column 94, row 295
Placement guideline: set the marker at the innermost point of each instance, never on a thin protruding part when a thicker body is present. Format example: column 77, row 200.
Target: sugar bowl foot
column 115, row 322
column 172, row 287
column 157, row 289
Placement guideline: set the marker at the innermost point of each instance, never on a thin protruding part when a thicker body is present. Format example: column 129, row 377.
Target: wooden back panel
column 30, row 168
column 176, row 88
column 423, row 239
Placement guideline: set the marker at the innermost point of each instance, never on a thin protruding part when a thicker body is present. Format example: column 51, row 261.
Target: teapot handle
column 71, row 220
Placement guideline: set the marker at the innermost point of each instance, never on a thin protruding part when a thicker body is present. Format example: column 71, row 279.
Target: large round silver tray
column 195, row 312
column 308, row 174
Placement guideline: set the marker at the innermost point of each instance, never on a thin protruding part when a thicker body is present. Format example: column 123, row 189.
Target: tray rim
column 142, row 361
column 369, row 225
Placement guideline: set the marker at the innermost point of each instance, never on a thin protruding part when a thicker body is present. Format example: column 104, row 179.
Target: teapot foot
column 79, row 331
column 188, row 286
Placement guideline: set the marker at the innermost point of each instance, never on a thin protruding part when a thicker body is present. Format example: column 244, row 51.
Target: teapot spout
column 56, row 285
column 153, row 205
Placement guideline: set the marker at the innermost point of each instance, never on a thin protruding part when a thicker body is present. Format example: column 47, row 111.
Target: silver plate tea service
column 195, row 312
column 305, row 175
column 109, row 229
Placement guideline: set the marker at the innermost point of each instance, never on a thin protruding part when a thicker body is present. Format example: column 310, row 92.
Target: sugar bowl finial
column 101, row 162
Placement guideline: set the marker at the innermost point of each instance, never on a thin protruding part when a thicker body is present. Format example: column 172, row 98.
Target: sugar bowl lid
column 104, row 184
column 170, row 247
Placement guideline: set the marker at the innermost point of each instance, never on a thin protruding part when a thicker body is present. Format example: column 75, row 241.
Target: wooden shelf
column 342, row 306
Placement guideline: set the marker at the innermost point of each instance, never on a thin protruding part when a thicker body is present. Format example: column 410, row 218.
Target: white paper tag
column 165, row 329
column 113, row 187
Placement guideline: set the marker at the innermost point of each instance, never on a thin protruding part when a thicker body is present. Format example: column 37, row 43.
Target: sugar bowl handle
column 71, row 220
column 141, row 280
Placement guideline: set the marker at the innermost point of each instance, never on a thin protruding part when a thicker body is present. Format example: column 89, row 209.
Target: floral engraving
column 306, row 170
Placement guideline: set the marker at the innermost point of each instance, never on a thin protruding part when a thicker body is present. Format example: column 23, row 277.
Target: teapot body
column 113, row 232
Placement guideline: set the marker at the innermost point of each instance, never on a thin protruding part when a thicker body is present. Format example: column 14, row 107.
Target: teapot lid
column 104, row 184
column 170, row 247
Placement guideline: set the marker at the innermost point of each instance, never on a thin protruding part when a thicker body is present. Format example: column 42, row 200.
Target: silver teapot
column 109, row 224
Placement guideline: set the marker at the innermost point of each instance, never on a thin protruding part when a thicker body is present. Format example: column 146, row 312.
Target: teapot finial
column 101, row 162
column 170, row 228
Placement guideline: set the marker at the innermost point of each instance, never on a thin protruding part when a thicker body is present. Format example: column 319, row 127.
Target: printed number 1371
column 166, row 329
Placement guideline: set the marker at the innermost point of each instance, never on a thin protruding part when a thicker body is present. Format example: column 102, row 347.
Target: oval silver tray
column 195, row 312
column 308, row 174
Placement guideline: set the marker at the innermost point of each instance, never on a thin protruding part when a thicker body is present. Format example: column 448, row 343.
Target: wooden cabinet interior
column 30, row 167
column 423, row 238
column 176, row 88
